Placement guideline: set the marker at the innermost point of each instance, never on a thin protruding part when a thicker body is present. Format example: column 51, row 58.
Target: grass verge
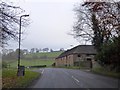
column 10, row 79
column 104, row 72
column 97, row 70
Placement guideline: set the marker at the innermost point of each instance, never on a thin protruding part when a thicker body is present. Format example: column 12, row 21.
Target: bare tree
column 82, row 29
column 45, row 49
column 32, row 50
column 107, row 16
column 9, row 22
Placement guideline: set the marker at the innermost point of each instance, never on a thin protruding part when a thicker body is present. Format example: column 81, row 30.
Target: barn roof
column 80, row 49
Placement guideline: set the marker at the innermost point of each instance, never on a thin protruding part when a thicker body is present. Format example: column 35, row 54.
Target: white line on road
column 75, row 79
column 42, row 71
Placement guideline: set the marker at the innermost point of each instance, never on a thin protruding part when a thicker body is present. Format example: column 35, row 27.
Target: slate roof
column 80, row 49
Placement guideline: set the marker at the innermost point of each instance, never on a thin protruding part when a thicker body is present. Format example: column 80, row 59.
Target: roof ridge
column 79, row 49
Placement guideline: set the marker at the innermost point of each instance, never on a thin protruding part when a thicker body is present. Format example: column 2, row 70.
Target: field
column 31, row 63
column 30, row 60
column 47, row 54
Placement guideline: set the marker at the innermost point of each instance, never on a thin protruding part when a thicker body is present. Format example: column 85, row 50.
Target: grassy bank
column 104, row 72
column 10, row 80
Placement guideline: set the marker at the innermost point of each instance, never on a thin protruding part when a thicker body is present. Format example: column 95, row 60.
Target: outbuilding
column 79, row 55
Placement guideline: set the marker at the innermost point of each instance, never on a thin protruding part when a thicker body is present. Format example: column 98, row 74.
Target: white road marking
column 42, row 71
column 75, row 79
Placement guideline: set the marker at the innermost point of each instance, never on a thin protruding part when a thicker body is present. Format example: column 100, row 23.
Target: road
column 68, row 78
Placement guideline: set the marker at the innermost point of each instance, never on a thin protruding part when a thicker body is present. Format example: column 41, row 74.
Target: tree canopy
column 99, row 23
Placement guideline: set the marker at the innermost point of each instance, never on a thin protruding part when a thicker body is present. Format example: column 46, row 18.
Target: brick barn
column 79, row 55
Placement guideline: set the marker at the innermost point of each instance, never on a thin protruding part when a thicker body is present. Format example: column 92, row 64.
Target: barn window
column 78, row 55
column 89, row 59
column 87, row 54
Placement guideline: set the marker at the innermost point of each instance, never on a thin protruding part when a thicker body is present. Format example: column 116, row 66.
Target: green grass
column 31, row 63
column 104, row 72
column 10, row 79
column 42, row 54
column 0, row 74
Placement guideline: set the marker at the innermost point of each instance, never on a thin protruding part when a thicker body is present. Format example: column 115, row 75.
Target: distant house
column 79, row 55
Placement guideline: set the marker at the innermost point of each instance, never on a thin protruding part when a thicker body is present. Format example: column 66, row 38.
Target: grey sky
column 50, row 23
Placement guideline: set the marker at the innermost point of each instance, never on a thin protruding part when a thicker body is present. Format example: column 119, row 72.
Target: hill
column 33, row 59
column 43, row 55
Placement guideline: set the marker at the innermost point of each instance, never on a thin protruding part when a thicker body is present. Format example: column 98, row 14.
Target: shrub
column 109, row 54
column 4, row 64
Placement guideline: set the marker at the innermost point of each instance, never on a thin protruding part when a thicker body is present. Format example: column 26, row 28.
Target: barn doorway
column 90, row 62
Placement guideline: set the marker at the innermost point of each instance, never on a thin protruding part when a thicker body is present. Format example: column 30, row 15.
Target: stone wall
column 64, row 61
column 73, row 60
column 85, row 60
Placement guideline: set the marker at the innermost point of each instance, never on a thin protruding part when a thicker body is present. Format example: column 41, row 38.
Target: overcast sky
column 51, row 21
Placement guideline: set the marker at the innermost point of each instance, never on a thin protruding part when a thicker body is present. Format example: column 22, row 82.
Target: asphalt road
column 68, row 78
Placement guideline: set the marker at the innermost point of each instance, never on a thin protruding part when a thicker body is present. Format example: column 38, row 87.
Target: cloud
column 52, row 1
column 50, row 24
